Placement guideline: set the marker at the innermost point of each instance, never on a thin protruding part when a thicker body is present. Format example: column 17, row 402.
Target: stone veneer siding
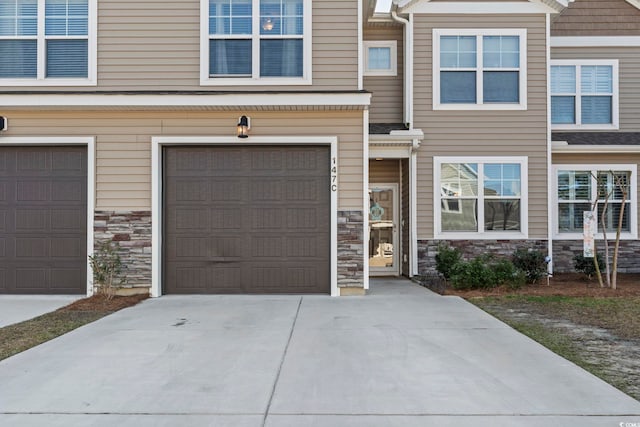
column 132, row 231
column 427, row 249
column 565, row 250
column 350, row 249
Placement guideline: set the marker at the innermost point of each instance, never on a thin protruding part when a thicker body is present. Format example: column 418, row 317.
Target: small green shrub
column 531, row 263
column 485, row 272
column 446, row 259
column 107, row 269
column 586, row 266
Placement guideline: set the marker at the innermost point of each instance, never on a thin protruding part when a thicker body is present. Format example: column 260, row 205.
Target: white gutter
column 564, row 147
column 550, row 175
column 408, row 67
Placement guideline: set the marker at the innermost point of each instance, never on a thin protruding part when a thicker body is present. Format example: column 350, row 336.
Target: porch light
column 243, row 127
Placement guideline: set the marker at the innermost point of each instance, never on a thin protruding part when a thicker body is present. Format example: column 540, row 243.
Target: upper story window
column 480, row 197
column 380, row 58
column 479, row 69
column 256, row 42
column 47, row 42
column 584, row 94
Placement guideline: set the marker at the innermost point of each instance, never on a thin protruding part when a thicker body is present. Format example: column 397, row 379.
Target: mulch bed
column 562, row 284
column 100, row 303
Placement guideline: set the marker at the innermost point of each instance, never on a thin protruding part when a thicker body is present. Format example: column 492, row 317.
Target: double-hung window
column 583, row 188
column 480, row 197
column 256, row 42
column 584, row 94
column 479, row 69
column 47, row 42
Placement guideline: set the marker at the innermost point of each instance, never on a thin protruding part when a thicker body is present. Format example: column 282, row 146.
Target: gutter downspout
column 408, row 66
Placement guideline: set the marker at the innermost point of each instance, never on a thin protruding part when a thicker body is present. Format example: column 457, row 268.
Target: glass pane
column 18, row 18
column 501, row 179
column 7, row 26
column 596, row 110
column 612, row 216
column 459, row 180
column 230, row 17
column 570, row 217
column 381, row 228
column 612, row 185
column 501, row 86
column 230, row 57
column 379, row 58
column 67, row 58
column 597, row 79
column 563, row 79
column 563, row 109
column 281, row 58
column 458, row 87
column 502, row 215
column 281, row 17
column 501, row 51
column 458, row 52
column 459, row 215
column 23, row 54
column 66, row 17
column 574, row 185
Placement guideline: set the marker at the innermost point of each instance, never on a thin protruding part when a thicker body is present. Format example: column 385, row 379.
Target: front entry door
column 383, row 230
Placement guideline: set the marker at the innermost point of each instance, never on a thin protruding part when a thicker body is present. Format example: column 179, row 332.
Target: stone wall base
column 565, row 250
column 427, row 250
column 131, row 230
column 351, row 249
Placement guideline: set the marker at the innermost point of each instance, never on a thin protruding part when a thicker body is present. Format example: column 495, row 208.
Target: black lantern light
column 243, row 127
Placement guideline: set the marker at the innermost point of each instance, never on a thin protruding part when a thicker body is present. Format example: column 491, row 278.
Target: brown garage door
column 43, row 220
column 246, row 219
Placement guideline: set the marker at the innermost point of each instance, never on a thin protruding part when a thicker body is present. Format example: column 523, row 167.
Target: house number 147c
column 334, row 175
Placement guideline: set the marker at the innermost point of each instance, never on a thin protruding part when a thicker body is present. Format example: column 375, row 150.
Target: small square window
column 380, row 58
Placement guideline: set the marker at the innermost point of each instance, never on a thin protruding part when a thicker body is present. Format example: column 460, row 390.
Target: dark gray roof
column 598, row 138
column 385, row 128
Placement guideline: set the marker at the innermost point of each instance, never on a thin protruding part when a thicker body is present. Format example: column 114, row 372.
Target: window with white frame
column 480, row 196
column 479, row 69
column 583, row 188
column 47, row 42
column 380, row 58
column 257, row 41
column 584, row 94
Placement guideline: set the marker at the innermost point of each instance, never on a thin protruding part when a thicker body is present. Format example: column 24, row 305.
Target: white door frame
column 157, row 142
column 394, row 270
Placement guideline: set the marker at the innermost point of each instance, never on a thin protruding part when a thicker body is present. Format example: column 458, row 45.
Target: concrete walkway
column 18, row 308
column 400, row 356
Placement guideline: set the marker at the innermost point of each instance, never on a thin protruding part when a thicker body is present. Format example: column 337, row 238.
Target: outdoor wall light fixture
column 3, row 123
column 243, row 127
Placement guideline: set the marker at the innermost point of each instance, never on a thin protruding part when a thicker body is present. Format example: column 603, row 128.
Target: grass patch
column 30, row 333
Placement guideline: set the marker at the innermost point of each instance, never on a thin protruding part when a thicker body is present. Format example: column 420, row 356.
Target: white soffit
column 595, row 41
column 477, row 7
column 635, row 3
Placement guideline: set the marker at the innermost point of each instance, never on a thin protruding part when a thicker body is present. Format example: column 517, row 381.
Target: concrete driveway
column 400, row 356
column 18, row 308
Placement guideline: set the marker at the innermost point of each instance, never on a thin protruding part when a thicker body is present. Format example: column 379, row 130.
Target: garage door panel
column 267, row 229
column 43, row 219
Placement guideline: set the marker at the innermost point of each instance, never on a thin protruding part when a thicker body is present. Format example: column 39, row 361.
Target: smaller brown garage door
column 246, row 219
column 43, row 220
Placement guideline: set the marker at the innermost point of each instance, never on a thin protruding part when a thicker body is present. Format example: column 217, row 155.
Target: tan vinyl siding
column 388, row 92
column 155, row 45
column 385, row 171
column 483, row 133
column 123, row 144
column 598, row 159
column 629, row 77
column 597, row 18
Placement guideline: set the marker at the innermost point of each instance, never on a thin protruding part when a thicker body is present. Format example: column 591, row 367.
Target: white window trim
column 615, row 101
column 482, row 235
column 479, row 33
column 393, row 50
column 632, row 234
column 256, row 80
column 92, row 49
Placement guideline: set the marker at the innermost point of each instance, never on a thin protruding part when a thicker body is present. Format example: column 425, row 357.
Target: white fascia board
column 596, row 41
column 170, row 100
column 564, row 147
column 473, row 7
column 635, row 3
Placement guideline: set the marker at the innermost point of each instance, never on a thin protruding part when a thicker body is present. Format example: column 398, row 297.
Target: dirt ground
column 566, row 284
column 101, row 303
